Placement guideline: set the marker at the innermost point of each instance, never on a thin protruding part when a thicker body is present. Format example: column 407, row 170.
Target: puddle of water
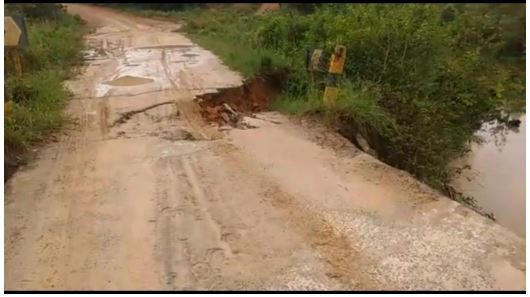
column 167, row 46
column 497, row 175
column 128, row 81
column 162, row 67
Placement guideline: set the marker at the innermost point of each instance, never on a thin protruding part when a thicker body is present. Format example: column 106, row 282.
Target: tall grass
column 38, row 95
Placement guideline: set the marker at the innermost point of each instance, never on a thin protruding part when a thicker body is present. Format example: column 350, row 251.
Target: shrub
column 38, row 96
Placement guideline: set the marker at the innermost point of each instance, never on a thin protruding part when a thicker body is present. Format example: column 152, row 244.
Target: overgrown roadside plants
column 38, row 95
column 419, row 79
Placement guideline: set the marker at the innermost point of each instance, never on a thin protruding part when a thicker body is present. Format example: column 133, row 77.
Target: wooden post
column 15, row 37
column 314, row 59
column 17, row 61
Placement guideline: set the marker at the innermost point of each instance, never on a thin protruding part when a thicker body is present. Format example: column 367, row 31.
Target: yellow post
column 336, row 67
column 7, row 108
column 15, row 37
column 337, row 60
column 17, row 62
column 330, row 95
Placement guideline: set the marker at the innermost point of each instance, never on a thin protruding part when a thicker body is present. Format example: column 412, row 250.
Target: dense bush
column 38, row 96
column 419, row 78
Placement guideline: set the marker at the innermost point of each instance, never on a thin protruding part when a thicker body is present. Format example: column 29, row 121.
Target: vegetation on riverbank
column 419, row 78
column 38, row 96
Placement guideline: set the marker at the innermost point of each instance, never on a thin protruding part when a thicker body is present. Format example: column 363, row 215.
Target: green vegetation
column 419, row 78
column 38, row 96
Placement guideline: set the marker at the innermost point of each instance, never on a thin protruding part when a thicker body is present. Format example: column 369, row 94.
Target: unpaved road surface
column 138, row 198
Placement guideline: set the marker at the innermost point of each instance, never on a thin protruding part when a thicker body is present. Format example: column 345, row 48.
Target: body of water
column 496, row 177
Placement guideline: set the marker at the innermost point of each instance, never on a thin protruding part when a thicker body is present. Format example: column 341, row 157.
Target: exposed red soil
column 255, row 95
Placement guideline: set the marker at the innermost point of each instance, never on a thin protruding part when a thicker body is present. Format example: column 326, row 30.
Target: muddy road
column 142, row 194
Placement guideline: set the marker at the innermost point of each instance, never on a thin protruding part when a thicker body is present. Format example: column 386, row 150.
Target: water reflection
column 496, row 174
column 497, row 132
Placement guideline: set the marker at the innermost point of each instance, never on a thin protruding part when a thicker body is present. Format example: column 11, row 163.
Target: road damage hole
column 229, row 106
column 128, row 80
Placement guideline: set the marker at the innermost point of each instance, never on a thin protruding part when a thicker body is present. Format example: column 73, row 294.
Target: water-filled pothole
column 128, row 80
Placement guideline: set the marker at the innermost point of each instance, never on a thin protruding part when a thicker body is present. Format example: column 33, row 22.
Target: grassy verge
column 38, row 95
column 419, row 78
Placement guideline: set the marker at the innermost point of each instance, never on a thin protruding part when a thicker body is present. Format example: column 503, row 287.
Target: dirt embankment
column 228, row 106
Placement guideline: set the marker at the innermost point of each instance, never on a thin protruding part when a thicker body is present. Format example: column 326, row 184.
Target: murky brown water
column 128, row 80
column 497, row 175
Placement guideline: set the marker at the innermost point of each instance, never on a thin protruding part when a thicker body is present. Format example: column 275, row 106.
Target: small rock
column 246, row 125
column 363, row 143
column 514, row 123
column 333, row 275
column 227, row 107
column 225, row 117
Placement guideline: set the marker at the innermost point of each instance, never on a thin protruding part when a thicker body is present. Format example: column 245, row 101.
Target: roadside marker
column 336, row 68
column 15, row 37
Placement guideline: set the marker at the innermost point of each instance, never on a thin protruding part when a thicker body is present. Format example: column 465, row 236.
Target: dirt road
column 138, row 198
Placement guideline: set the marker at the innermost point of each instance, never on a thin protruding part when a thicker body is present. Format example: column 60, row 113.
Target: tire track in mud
column 189, row 165
column 58, row 174
column 166, row 248
column 188, row 108
column 18, row 219
column 53, row 241
column 103, row 116
column 56, row 241
column 189, row 247
column 345, row 263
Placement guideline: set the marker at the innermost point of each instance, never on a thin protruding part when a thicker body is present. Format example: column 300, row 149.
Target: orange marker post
column 336, row 68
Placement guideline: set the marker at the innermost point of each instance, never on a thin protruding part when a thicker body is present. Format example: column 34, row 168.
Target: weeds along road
column 142, row 194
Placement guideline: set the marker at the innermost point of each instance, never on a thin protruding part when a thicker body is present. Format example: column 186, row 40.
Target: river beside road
column 496, row 178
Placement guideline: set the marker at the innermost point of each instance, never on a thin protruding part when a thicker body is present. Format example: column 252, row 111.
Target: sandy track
column 162, row 201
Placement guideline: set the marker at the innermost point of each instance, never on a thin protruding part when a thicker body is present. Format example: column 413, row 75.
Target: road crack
column 124, row 117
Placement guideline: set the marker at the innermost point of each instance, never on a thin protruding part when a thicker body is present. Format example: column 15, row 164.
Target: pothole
column 230, row 105
column 128, row 80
